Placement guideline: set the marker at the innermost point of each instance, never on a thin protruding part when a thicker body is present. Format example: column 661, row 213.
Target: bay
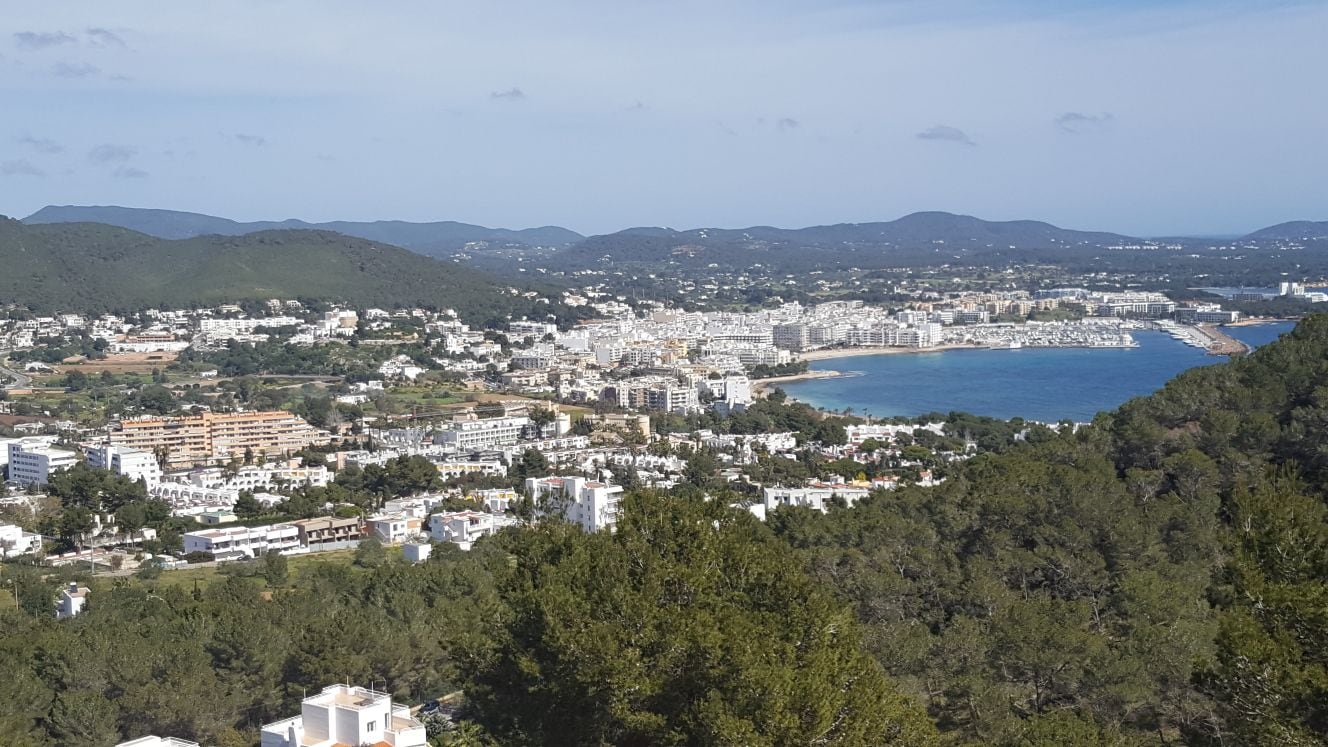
column 1044, row 384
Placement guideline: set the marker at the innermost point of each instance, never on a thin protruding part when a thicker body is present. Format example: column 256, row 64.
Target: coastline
column 831, row 353
column 762, row 387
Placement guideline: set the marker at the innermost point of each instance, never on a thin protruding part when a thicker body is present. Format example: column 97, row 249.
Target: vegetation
column 90, row 267
column 1157, row 578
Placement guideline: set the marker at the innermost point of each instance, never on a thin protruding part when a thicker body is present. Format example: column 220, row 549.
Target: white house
column 344, row 715
column 464, row 527
column 395, row 527
column 817, row 496
column 14, row 541
column 151, row 741
column 593, row 505
column 72, row 600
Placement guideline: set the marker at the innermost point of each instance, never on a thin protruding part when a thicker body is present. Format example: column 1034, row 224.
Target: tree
column 688, row 625
column 370, row 553
column 246, row 506
column 275, row 568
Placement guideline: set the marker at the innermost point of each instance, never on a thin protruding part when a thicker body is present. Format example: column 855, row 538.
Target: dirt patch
column 121, row 363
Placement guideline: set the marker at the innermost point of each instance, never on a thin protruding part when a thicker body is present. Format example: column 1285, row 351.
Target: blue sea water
column 1046, row 384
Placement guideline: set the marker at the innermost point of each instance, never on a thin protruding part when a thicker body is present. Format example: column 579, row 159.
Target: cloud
column 111, row 153
column 129, row 172
column 74, row 69
column 257, row 141
column 42, row 40
column 41, row 144
column 946, row 133
column 1075, row 123
column 105, row 38
column 786, row 123
column 511, row 94
column 20, row 168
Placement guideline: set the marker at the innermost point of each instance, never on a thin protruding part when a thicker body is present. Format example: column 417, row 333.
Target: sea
column 1043, row 384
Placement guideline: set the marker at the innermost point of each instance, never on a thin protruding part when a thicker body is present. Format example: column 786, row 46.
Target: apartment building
column 32, row 460
column 233, row 543
column 593, row 505
column 818, row 496
column 216, row 437
column 131, row 463
column 345, row 715
column 476, row 435
column 327, row 529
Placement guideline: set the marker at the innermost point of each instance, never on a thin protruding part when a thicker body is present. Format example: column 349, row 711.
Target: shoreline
column 832, row 353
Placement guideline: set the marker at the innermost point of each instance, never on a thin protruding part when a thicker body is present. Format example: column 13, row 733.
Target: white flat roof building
column 593, row 505
column 233, row 543
column 33, row 461
column 131, row 463
column 14, row 541
column 344, row 715
column 72, row 600
column 151, row 741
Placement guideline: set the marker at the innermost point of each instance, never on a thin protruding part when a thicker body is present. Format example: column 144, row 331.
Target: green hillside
column 91, row 267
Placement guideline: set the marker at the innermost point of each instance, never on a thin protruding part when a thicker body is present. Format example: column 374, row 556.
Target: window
column 372, row 725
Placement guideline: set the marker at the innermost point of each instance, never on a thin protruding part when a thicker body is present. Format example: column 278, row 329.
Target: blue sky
column 1143, row 117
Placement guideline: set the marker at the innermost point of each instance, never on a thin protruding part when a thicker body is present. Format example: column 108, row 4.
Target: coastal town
column 226, row 437
column 554, row 419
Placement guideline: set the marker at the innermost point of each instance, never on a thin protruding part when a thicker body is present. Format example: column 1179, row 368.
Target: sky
column 1149, row 118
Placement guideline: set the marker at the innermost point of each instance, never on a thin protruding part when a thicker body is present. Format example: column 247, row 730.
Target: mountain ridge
column 91, row 267
column 432, row 238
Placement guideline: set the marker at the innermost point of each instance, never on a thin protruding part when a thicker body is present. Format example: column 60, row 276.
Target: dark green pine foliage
column 689, row 625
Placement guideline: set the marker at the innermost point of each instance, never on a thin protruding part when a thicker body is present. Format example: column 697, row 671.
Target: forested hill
column 1158, row 578
column 432, row 238
column 91, row 267
column 919, row 238
column 1296, row 229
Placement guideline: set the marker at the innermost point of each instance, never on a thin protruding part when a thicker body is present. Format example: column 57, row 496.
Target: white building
column 473, row 435
column 151, row 741
column 14, row 541
column 818, row 496
column 31, row 461
column 233, row 543
column 593, row 505
column 72, row 600
column 131, row 463
column 343, row 715
column 395, row 527
column 463, row 528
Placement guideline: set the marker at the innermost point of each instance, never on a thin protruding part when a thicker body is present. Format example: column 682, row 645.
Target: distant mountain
column 434, row 239
column 1296, row 229
column 917, row 237
column 92, row 267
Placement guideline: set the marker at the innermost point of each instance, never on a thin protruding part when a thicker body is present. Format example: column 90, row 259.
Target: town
column 234, row 437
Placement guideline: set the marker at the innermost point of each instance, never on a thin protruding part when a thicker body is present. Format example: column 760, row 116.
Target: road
column 21, row 380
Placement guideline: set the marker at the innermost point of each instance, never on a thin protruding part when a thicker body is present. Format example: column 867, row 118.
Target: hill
column 1296, row 229
column 919, row 238
column 91, row 267
column 425, row 238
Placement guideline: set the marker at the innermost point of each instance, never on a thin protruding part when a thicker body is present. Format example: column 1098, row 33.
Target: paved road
column 21, row 380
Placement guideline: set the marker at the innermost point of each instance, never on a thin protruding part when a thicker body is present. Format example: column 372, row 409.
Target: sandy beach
column 762, row 387
column 1256, row 321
